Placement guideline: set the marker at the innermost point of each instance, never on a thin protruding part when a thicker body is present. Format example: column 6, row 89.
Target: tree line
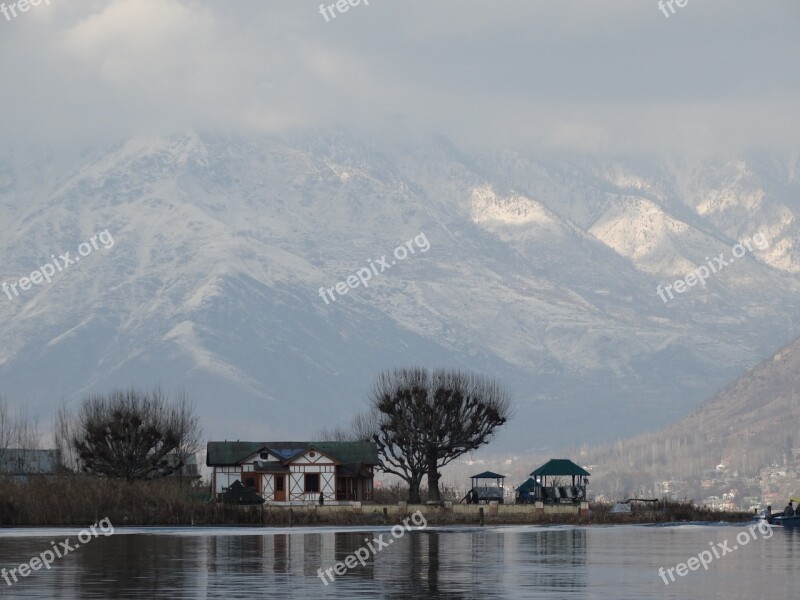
column 420, row 421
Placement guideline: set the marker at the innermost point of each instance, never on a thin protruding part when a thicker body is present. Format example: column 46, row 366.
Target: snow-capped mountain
column 542, row 273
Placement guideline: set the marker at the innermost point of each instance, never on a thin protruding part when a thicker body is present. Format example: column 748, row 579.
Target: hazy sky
column 589, row 75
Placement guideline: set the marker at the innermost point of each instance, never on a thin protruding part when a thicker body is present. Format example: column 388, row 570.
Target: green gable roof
column 222, row 454
column 556, row 467
column 350, row 452
column 229, row 453
column 488, row 475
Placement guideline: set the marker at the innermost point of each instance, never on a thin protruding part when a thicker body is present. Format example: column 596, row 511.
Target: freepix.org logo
column 10, row 10
column 362, row 276
column 46, row 272
column 45, row 559
column 700, row 274
column 372, row 548
column 341, row 6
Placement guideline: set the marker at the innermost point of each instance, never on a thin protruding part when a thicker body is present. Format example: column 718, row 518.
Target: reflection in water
column 556, row 559
column 511, row 562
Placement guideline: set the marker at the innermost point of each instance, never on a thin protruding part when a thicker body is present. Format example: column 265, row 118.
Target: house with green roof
column 295, row 472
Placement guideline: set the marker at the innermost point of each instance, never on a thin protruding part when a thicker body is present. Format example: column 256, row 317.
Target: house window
column 312, row 483
column 264, row 455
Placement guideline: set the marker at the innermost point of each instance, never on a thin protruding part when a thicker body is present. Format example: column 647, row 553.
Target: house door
column 280, row 489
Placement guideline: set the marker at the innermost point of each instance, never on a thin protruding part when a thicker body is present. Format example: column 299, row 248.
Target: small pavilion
column 527, row 491
column 552, row 472
column 482, row 494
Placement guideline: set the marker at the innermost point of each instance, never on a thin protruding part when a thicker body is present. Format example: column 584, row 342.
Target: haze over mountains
column 540, row 272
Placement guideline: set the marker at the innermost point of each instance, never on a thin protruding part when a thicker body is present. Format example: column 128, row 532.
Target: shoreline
column 252, row 529
column 318, row 517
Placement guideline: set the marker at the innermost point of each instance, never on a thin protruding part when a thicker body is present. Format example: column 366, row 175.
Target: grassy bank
column 78, row 501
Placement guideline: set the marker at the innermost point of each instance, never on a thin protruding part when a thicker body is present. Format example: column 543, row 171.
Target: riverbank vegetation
column 75, row 500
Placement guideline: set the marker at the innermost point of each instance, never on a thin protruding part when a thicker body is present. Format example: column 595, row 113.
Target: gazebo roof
column 559, row 467
column 529, row 486
column 488, row 475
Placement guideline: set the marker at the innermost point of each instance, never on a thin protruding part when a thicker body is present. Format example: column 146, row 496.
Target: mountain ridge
column 223, row 243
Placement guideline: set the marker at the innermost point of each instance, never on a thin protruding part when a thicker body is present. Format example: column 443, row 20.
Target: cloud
column 144, row 44
column 610, row 76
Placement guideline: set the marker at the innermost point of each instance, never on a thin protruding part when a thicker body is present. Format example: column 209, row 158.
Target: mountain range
column 541, row 271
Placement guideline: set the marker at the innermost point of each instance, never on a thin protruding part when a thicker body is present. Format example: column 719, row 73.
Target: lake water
column 492, row 562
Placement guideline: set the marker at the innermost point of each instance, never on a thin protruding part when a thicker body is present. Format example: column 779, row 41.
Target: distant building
column 20, row 464
column 287, row 472
column 189, row 470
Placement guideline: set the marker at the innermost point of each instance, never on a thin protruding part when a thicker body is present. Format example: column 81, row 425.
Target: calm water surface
column 490, row 562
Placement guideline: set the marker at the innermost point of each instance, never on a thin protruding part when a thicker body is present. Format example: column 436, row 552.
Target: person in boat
column 788, row 511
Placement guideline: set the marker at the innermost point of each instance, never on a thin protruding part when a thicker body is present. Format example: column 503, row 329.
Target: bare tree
column 398, row 399
column 63, row 432
column 26, row 435
column 6, row 431
column 428, row 420
column 131, row 435
column 465, row 410
column 187, row 425
column 362, row 429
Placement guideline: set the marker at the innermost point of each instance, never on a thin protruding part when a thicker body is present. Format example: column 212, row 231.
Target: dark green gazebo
column 483, row 494
column 527, row 491
column 557, row 468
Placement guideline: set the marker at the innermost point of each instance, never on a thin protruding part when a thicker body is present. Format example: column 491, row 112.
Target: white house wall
column 257, row 457
column 307, row 459
column 268, row 481
column 328, row 485
column 320, row 464
column 297, row 481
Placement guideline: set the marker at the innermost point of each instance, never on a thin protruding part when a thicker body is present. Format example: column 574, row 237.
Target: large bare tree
column 427, row 420
column 132, row 435
column 465, row 410
column 398, row 399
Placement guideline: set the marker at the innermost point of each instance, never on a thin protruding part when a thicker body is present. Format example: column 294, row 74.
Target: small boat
column 787, row 522
column 779, row 520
